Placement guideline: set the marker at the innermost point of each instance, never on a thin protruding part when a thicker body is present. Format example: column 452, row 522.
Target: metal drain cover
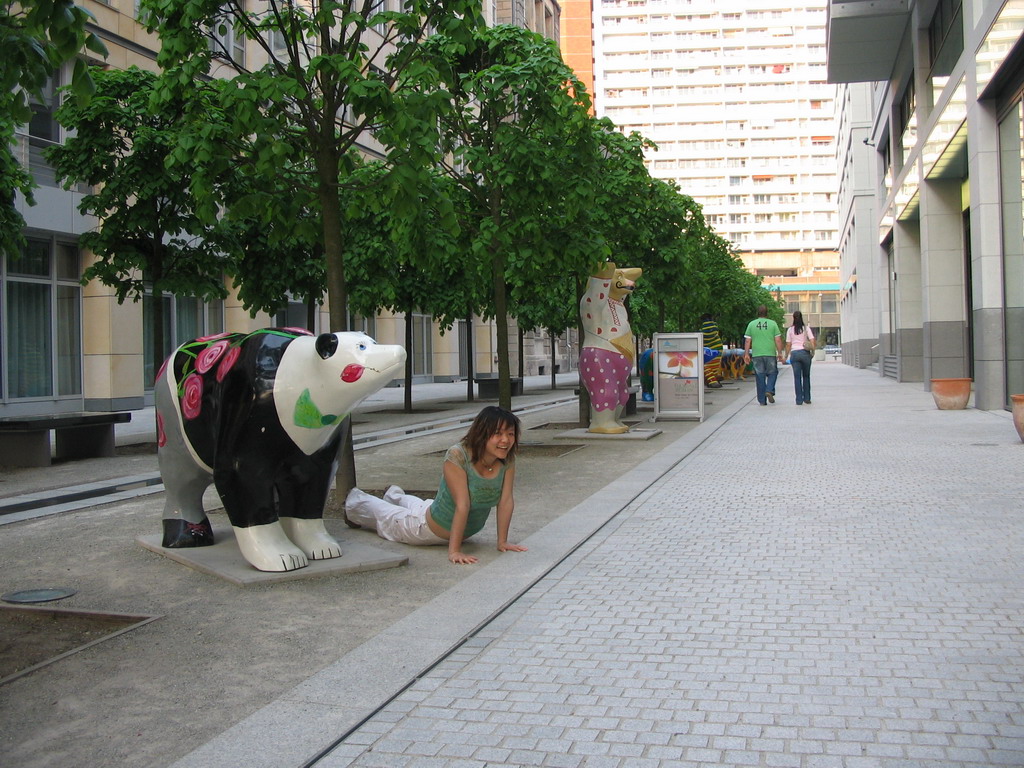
column 38, row 595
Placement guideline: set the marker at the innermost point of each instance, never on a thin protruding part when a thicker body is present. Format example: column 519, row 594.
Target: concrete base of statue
column 635, row 433
column 224, row 559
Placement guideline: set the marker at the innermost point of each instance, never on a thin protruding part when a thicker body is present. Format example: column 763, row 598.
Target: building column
column 908, row 342
column 237, row 318
column 112, row 365
column 943, row 280
column 986, row 257
column 867, row 296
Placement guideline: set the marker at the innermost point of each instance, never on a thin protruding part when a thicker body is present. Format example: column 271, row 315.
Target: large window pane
column 215, row 317
column 69, row 340
column 422, row 329
column 28, row 340
column 34, row 260
column 67, row 263
column 292, row 316
column 188, row 324
column 44, row 132
column 152, row 359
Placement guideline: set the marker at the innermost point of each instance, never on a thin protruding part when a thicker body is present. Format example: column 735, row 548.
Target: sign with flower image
column 679, row 376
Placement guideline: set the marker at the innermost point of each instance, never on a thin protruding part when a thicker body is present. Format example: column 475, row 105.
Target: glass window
column 293, row 316
column 188, row 322
column 367, row 325
column 34, row 260
column 68, row 267
column 945, row 40
column 151, row 358
column 44, row 132
column 185, row 318
column 422, row 332
column 225, row 41
column 29, row 351
column 69, row 340
column 42, row 322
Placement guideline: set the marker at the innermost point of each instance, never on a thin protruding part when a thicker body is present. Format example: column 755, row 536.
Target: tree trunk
column 584, row 401
column 337, row 291
column 337, row 298
column 554, row 339
column 522, row 335
column 408, row 361
column 501, row 325
column 469, row 358
column 157, row 339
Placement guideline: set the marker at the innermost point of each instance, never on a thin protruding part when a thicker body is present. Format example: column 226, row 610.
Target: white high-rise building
column 735, row 96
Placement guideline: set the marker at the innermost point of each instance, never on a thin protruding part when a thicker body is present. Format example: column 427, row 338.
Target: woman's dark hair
column 487, row 422
column 798, row 322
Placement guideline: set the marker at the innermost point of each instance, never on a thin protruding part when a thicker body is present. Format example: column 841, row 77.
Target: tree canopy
column 148, row 234
column 36, row 38
column 517, row 142
column 332, row 80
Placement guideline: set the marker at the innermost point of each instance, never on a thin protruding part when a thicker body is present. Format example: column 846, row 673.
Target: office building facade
column 932, row 244
column 736, row 98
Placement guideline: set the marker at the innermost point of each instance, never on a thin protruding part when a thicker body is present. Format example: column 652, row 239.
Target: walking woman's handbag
column 808, row 341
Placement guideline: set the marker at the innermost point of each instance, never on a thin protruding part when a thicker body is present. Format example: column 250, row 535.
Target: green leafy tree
column 36, row 38
column 332, row 80
column 552, row 305
column 406, row 264
column 272, row 262
column 518, row 142
column 147, row 235
column 677, row 227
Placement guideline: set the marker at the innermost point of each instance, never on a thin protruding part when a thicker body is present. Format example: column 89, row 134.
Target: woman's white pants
column 397, row 517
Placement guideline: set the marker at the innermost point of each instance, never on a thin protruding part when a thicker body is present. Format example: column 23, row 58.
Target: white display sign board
column 679, row 376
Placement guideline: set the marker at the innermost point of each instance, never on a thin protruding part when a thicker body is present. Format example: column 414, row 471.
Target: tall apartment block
column 931, row 148
column 736, row 98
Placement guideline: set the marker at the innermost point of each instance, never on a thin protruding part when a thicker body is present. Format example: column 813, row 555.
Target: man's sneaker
column 771, row 397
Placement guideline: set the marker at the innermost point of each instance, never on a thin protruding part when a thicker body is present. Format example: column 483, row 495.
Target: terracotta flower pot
column 1018, row 414
column 951, row 394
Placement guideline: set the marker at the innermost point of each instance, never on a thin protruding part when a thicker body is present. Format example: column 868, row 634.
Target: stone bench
column 25, row 440
column 487, row 386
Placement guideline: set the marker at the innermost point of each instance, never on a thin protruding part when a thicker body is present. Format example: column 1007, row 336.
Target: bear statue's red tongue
column 351, row 373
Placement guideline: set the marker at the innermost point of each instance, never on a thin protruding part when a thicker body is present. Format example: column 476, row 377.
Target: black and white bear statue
column 259, row 415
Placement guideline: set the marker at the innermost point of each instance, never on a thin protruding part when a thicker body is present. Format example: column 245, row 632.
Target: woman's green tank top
column 484, row 494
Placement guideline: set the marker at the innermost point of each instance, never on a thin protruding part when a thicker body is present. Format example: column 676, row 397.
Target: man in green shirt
column 764, row 337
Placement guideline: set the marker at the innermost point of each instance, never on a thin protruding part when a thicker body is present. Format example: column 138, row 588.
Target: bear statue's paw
column 311, row 537
column 179, row 533
column 267, row 548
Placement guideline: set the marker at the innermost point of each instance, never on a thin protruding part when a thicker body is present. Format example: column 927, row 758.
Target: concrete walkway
column 833, row 585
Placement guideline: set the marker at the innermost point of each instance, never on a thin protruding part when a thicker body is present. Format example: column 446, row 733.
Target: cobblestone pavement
column 834, row 585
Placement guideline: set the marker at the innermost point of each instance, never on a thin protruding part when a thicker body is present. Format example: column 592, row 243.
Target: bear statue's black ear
column 326, row 345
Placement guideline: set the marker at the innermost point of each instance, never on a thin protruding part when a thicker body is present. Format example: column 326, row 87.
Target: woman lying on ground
column 478, row 474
